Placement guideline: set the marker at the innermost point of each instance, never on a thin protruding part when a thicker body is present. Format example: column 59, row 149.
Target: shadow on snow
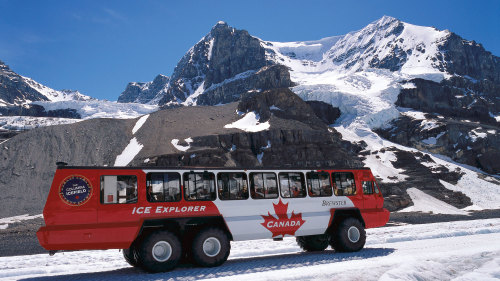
column 188, row 272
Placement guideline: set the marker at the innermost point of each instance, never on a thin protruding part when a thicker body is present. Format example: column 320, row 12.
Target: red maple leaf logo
column 282, row 225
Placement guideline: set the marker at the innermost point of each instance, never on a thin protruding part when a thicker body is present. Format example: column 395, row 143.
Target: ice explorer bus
column 160, row 215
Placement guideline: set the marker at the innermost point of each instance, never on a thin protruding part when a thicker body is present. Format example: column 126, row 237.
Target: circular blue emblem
column 75, row 190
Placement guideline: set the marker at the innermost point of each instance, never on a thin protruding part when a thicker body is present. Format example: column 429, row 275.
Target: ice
column 249, row 123
column 21, row 123
column 101, row 109
column 128, row 154
column 139, row 123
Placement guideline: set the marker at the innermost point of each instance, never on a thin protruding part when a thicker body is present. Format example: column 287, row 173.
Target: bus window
column 263, row 186
column 318, row 184
column 118, row 189
column 232, row 186
column 344, row 184
column 163, row 187
column 292, row 185
column 199, row 186
column 368, row 187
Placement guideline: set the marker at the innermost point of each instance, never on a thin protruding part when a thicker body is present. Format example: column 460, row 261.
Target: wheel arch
column 184, row 228
column 339, row 215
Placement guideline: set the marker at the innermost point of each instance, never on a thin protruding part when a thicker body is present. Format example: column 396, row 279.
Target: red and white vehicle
column 160, row 215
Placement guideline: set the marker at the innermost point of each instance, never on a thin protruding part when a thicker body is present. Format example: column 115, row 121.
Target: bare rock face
column 456, row 97
column 13, row 88
column 466, row 142
column 469, row 58
column 223, row 56
column 144, row 92
column 268, row 77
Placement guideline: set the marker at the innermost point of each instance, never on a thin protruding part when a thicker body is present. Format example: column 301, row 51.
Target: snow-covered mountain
column 372, row 75
column 26, row 104
column 19, row 90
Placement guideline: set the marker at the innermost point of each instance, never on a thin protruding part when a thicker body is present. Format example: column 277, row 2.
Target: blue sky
column 97, row 47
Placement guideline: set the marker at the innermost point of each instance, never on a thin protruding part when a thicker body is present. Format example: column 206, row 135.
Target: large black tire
column 313, row 243
column 131, row 256
column 350, row 236
column 210, row 247
column 160, row 251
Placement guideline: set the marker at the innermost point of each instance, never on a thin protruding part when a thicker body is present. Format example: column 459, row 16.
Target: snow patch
column 423, row 202
column 128, row 154
column 381, row 166
column 418, row 115
column 474, row 135
column 175, row 143
column 4, row 222
column 497, row 118
column 249, row 123
column 191, row 100
column 139, row 123
column 433, row 140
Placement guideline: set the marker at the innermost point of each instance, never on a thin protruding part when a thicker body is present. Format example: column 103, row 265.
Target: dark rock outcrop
column 456, row 97
column 423, row 178
column 144, row 92
column 268, row 77
column 13, row 88
column 466, row 142
column 36, row 110
column 221, row 55
column 468, row 58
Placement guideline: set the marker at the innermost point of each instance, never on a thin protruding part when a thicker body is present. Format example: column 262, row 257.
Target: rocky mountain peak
column 144, row 92
column 222, row 55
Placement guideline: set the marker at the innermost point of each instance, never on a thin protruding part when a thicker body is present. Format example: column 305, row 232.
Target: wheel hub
column 162, row 251
column 353, row 234
column 211, row 246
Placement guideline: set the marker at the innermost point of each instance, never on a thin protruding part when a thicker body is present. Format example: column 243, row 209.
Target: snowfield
column 461, row 250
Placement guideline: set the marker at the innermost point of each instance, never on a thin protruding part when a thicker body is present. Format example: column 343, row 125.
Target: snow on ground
column 128, row 154
column 139, row 123
column 423, row 202
column 249, row 123
column 4, row 222
column 461, row 250
column 175, row 143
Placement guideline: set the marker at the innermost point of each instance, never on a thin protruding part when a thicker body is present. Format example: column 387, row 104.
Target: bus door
column 370, row 191
column 118, row 202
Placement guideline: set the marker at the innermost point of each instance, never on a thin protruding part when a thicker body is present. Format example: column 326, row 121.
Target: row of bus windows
column 166, row 187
